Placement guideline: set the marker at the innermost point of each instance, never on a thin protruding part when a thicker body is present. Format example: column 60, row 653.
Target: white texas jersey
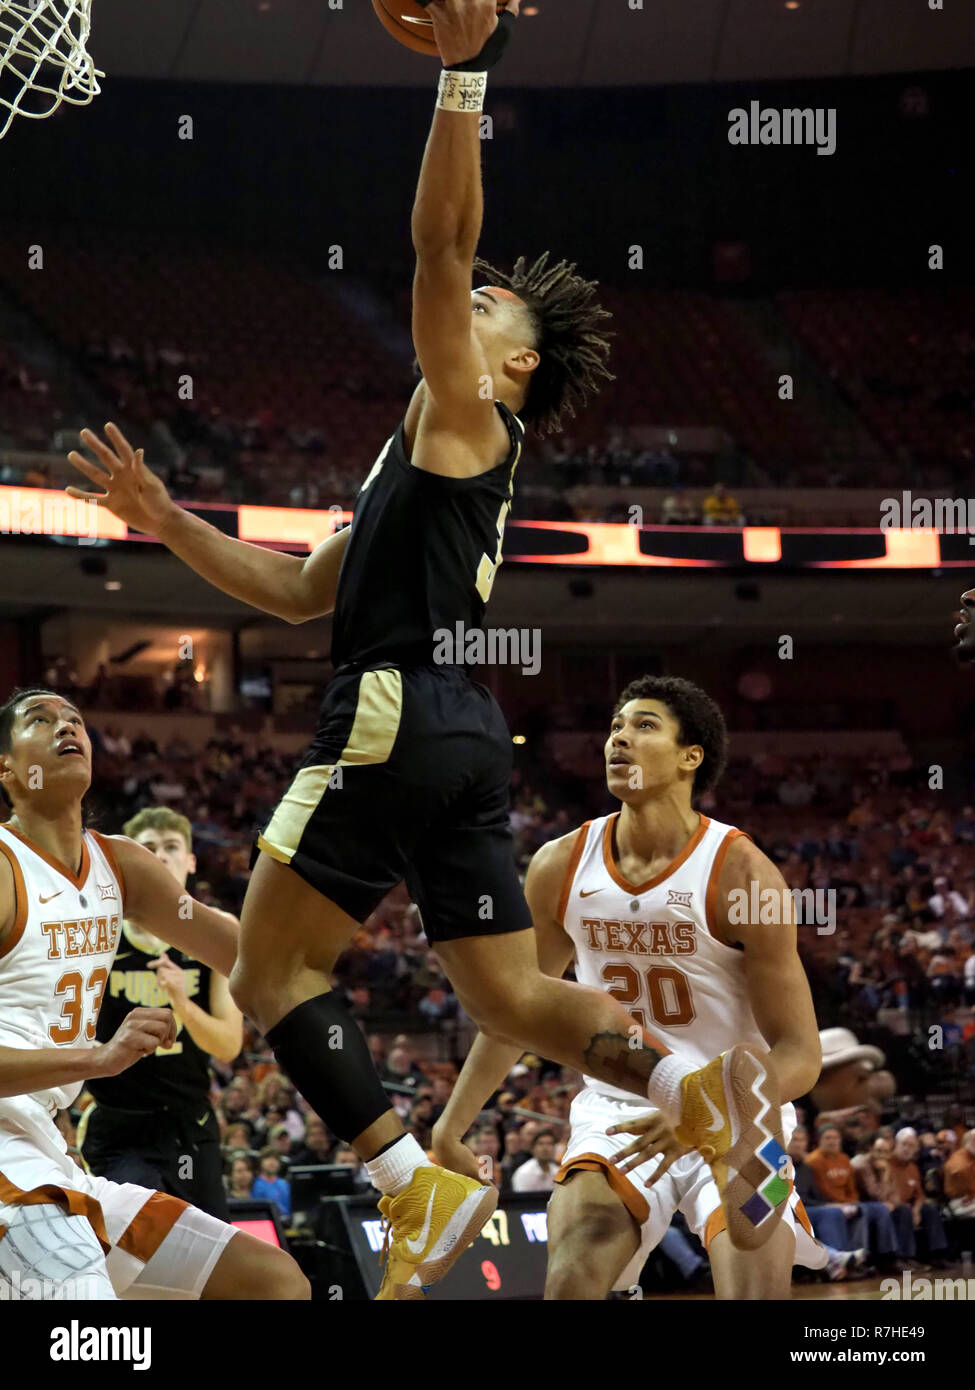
column 55, row 964
column 651, row 946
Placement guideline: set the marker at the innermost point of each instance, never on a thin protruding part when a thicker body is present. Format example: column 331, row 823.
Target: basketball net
column 43, row 58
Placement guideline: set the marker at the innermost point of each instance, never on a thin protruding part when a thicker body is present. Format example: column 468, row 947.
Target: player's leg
column 746, row 1274
column 333, row 848
column 290, row 938
column 498, row 983
column 601, row 1223
column 332, row 851
column 252, row 1269
column 162, row 1248
column 753, row 1274
column 591, row 1238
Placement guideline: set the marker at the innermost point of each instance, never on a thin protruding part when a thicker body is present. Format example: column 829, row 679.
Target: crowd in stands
column 305, row 432
column 887, row 1197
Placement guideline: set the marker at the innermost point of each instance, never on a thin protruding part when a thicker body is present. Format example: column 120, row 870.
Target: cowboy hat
column 840, row 1046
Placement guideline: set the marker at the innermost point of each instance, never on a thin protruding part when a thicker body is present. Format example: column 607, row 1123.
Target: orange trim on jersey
column 711, row 892
column 151, row 1225
column 3, row 1232
column 634, row 1201
column 715, row 1223
column 20, row 903
column 76, row 880
column 73, row 1202
column 609, row 859
column 570, row 872
column 105, row 845
column 803, row 1218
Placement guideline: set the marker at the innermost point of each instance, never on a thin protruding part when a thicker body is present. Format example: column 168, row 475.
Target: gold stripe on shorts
column 379, row 709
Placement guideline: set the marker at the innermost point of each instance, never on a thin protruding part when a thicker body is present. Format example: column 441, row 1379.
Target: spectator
column 678, row 510
column 401, row 1070
column 828, row 1222
column 270, row 1186
column 946, row 899
column 910, row 1191
column 280, row 1143
column 316, row 1147
column 516, row 1152
column 875, row 1182
column 421, row 1122
column 237, row 1136
column 441, row 1088
column 868, row 1223
column 721, row 509
column 241, row 1178
column 538, row 1173
column 959, row 1179
column 346, row 1157
column 486, row 1147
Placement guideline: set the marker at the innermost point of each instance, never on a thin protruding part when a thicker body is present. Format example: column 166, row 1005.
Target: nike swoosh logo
column 204, row 1119
column 416, row 1247
column 588, row 892
column 50, row 896
column 716, row 1114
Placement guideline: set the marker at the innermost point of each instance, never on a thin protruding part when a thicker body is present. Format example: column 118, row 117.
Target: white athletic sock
column 663, row 1088
column 393, row 1170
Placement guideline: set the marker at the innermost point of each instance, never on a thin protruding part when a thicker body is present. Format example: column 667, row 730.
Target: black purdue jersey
column 177, row 1077
column 422, row 555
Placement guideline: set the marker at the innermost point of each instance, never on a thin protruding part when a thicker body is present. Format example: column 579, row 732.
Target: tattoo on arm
column 611, row 1057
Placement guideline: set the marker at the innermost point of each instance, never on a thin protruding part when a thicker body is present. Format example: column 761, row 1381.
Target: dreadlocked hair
column 571, row 345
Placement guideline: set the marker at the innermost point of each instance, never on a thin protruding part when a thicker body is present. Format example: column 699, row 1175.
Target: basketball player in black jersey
column 153, row 1124
column 407, row 777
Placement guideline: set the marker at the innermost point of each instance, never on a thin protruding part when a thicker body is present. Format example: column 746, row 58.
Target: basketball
column 409, row 24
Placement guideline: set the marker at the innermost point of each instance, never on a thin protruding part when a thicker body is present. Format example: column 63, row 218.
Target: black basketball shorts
column 407, row 779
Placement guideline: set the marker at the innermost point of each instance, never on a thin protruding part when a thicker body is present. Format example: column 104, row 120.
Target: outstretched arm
column 283, row 585
column 446, row 225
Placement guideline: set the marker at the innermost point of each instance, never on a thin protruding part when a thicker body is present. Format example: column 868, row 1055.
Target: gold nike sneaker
column 731, row 1114
column 428, row 1225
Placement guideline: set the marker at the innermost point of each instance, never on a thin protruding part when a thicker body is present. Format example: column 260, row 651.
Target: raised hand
column 462, row 27
column 133, row 493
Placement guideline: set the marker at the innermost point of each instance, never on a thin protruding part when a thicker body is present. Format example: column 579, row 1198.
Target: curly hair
column 572, row 347
column 698, row 717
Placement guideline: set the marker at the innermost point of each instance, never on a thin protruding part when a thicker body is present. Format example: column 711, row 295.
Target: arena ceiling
column 566, row 43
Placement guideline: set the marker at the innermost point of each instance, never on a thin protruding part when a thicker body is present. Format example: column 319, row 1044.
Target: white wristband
column 461, row 91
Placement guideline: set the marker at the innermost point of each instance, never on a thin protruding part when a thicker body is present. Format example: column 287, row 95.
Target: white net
column 43, row 58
